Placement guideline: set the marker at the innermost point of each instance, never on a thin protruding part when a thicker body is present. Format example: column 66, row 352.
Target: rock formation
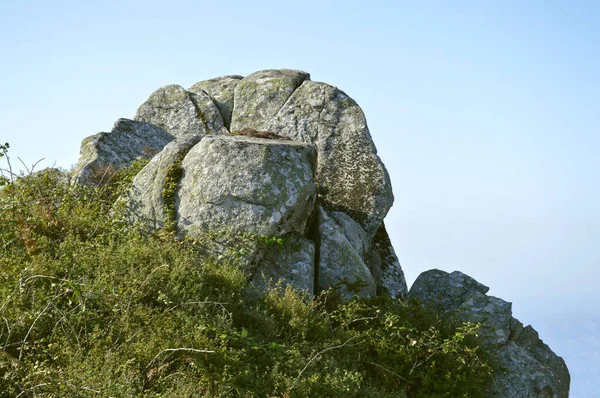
column 528, row 368
column 282, row 172
column 272, row 154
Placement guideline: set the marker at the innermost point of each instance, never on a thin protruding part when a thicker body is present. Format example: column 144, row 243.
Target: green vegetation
column 169, row 192
column 92, row 307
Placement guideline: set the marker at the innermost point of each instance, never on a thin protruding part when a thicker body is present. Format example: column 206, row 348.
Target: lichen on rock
column 350, row 176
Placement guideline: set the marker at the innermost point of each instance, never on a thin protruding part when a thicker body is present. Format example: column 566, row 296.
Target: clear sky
column 487, row 114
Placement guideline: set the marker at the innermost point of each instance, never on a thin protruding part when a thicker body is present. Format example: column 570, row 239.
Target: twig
column 9, row 331
column 386, row 370
column 222, row 305
column 318, row 354
column 83, row 388
column 142, row 285
column 365, row 318
column 31, row 328
column 178, row 349
column 51, row 277
column 64, row 317
column 32, row 388
column 29, row 170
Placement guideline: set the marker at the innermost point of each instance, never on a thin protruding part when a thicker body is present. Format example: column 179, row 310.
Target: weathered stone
column 385, row 267
column 443, row 291
column 354, row 233
column 107, row 152
column 145, row 200
column 182, row 113
column 291, row 263
column 221, row 90
column 350, row 176
column 260, row 95
column 340, row 264
column 253, row 185
column 516, row 328
column 527, row 366
column 492, row 313
column 521, row 374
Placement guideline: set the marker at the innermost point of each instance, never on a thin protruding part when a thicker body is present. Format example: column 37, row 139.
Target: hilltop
column 230, row 241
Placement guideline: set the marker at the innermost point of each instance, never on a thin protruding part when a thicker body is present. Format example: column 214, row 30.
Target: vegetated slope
column 91, row 306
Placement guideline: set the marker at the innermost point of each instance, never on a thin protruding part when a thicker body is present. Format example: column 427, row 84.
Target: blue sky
column 485, row 113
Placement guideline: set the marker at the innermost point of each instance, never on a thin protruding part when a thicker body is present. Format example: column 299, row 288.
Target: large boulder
column 526, row 366
column 443, row 291
column 104, row 153
column 254, row 185
column 182, row 113
column 350, row 176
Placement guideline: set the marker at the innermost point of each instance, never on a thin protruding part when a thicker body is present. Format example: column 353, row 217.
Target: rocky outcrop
column 209, row 178
column 104, row 153
column 527, row 366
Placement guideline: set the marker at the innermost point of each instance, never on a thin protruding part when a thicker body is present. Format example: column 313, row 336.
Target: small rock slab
column 127, row 141
column 385, row 267
column 145, row 202
column 291, row 263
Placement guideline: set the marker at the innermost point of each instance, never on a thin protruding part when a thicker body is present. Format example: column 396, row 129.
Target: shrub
column 91, row 306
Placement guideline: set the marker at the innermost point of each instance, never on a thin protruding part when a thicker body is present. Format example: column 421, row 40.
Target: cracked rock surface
column 182, row 113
